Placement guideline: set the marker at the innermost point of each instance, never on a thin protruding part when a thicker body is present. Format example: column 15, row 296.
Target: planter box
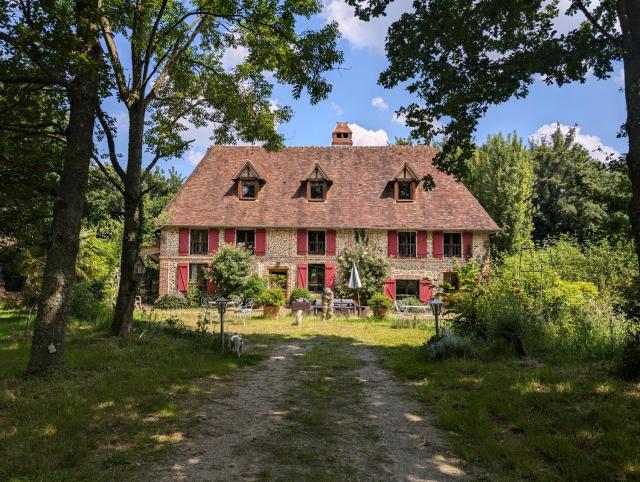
column 271, row 311
column 380, row 312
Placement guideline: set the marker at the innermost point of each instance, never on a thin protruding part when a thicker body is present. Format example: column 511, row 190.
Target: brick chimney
column 341, row 135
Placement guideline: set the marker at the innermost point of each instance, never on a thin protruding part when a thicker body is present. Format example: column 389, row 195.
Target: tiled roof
column 360, row 195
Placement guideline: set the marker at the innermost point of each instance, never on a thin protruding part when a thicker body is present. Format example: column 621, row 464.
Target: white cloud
column 363, row 35
column 593, row 144
column 366, row 137
column 337, row 108
column 399, row 119
column 274, row 104
column 379, row 103
column 618, row 77
column 234, row 56
column 194, row 156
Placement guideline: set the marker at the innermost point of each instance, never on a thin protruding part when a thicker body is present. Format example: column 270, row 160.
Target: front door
column 279, row 278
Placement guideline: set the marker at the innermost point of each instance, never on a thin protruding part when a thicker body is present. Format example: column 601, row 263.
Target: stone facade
column 281, row 255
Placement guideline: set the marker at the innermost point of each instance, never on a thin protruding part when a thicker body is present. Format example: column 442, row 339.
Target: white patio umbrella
column 354, row 280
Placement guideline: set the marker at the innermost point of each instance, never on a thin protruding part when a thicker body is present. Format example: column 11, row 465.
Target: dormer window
column 317, row 184
column 248, row 189
column 404, row 184
column 248, row 182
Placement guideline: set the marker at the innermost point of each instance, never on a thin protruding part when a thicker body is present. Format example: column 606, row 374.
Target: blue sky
column 596, row 107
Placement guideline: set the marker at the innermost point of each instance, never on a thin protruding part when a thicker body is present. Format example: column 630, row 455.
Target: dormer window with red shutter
column 317, row 184
column 404, row 184
column 248, row 182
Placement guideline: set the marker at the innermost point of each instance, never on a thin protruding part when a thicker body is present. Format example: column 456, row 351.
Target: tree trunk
column 629, row 14
column 123, row 314
column 47, row 346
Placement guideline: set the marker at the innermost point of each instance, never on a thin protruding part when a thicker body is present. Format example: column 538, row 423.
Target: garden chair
column 246, row 309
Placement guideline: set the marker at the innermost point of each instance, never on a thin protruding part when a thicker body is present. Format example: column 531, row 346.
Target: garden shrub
column 299, row 293
column 230, row 268
column 193, row 294
column 410, row 300
column 254, row 286
column 272, row 297
column 379, row 300
column 372, row 268
column 84, row 304
column 449, row 345
column 171, row 301
column 562, row 311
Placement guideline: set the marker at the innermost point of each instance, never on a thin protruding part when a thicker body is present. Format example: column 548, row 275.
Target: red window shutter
column 211, row 287
column 183, row 242
column 438, row 244
column 390, row 288
column 229, row 236
column 467, row 244
column 302, row 275
column 425, row 290
column 329, row 275
column 392, row 244
column 182, row 277
column 422, row 244
column 331, row 242
column 214, row 240
column 261, row 242
column 302, row 242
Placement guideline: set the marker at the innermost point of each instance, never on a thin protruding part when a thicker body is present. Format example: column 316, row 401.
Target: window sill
column 405, row 200
column 248, row 199
column 316, row 200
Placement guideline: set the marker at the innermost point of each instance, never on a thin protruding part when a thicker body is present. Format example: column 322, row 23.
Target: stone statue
column 327, row 304
column 298, row 321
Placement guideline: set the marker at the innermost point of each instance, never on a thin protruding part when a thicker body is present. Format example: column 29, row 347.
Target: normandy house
column 297, row 209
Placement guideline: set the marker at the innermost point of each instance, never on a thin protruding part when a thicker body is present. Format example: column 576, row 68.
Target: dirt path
column 413, row 450
column 319, row 410
column 232, row 423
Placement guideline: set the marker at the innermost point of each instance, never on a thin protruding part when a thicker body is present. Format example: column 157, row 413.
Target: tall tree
column 177, row 75
column 56, row 43
column 572, row 192
column 461, row 56
column 500, row 175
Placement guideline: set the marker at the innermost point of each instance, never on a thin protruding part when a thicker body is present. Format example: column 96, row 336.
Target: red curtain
column 422, row 244
column 214, row 240
column 392, row 244
column 302, row 242
column 182, row 277
column 426, row 289
column 183, row 242
column 261, row 242
column 438, row 244
column 390, row 288
column 467, row 244
column 302, row 275
column 331, row 242
column 329, row 275
column 229, row 236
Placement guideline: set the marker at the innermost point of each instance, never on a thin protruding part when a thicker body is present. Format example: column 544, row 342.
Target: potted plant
column 380, row 304
column 271, row 300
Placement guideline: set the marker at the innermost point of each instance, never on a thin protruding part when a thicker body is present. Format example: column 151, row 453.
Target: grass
column 118, row 404
column 114, row 405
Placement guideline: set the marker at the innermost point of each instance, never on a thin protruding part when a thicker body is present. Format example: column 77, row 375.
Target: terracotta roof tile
column 360, row 195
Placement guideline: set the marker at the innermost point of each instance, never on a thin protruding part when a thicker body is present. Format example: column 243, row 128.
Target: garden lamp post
column 436, row 309
column 221, row 303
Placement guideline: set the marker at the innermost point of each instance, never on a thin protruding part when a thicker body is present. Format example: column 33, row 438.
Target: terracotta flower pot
column 271, row 311
column 380, row 312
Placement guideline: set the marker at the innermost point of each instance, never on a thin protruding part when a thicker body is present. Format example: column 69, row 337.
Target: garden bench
column 339, row 306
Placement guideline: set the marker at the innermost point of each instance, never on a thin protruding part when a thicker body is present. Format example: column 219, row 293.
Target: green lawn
column 116, row 403
column 120, row 403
